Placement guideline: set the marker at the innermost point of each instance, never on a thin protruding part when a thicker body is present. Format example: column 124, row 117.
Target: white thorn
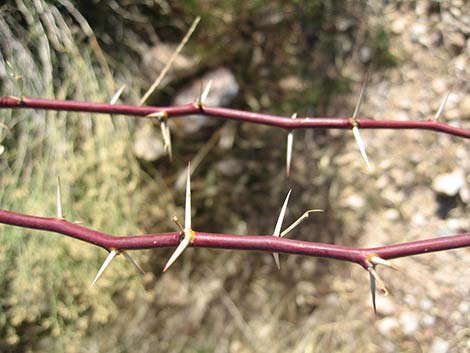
column 105, row 264
column 298, row 221
column 60, row 214
column 441, row 107
column 379, row 261
column 355, row 129
column 372, row 291
column 361, row 97
column 187, row 207
column 179, row 250
column 360, row 143
column 277, row 229
column 165, row 129
column 205, row 93
column 166, row 138
column 290, row 145
column 129, row 258
column 276, row 260
column 117, row 95
column 380, row 283
column 375, row 281
column 187, row 231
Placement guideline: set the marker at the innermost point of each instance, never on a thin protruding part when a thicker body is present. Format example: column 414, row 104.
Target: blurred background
column 278, row 57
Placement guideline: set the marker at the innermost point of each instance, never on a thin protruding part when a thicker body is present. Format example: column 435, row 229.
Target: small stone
column 385, row 305
column 418, row 33
column 456, row 40
column 355, row 202
column 223, row 90
column 425, row 304
column 419, row 219
column 292, row 83
column 428, row 320
column 385, row 326
column 365, row 54
column 439, row 86
column 148, row 144
column 343, row 24
column 409, row 322
column 229, row 167
column 449, row 184
column 455, row 224
column 392, row 214
column 439, row 346
column 464, row 307
column 464, row 106
column 399, row 25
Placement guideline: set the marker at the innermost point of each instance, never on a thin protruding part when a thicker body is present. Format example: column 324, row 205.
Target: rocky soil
column 420, row 183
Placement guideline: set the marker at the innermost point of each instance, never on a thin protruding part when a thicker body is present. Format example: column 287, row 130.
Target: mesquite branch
column 232, row 114
column 368, row 258
column 265, row 243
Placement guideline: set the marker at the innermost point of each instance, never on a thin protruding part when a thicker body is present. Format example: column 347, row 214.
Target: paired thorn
column 105, row 265
column 184, row 243
column 166, row 138
column 112, row 254
column 375, row 260
column 372, row 291
column 375, row 280
column 360, row 143
column 165, row 129
column 203, row 96
column 299, row 220
column 129, row 258
column 187, row 204
column 277, row 229
column 117, row 95
column 60, row 214
column 355, row 129
column 188, row 233
column 290, row 144
column 440, row 110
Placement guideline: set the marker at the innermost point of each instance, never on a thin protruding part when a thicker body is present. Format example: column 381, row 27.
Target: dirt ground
column 428, row 309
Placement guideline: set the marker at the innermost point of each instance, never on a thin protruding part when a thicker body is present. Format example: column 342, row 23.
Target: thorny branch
column 232, row 114
column 368, row 258
column 266, row 243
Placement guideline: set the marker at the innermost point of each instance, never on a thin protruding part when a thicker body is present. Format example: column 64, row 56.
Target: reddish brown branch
column 241, row 242
column 233, row 114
